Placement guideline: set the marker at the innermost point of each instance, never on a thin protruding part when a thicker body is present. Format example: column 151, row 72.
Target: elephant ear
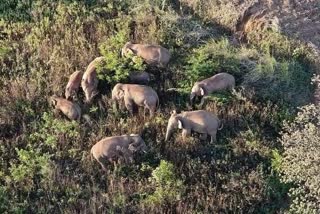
column 132, row 148
column 130, row 51
column 118, row 148
column 174, row 112
column 53, row 101
column 120, row 93
column 180, row 125
column 201, row 91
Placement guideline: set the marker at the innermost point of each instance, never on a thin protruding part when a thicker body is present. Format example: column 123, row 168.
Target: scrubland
column 266, row 159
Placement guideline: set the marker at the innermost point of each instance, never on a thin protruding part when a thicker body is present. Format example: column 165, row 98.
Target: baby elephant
column 89, row 81
column 152, row 54
column 218, row 82
column 68, row 108
column 199, row 121
column 140, row 77
column 112, row 148
column 73, row 85
column 139, row 95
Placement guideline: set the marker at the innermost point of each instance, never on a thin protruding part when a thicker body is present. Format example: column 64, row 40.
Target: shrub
column 301, row 157
column 210, row 59
column 32, row 163
column 116, row 68
column 168, row 187
column 4, row 201
column 52, row 131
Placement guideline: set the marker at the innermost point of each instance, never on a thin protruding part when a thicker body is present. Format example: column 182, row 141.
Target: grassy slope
column 44, row 161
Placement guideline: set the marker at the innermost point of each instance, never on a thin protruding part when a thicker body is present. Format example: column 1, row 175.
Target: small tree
column 168, row 187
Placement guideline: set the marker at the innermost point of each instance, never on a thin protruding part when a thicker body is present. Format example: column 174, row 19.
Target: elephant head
column 53, row 100
column 69, row 93
column 136, row 143
column 117, row 92
column 174, row 122
column 197, row 90
column 126, row 49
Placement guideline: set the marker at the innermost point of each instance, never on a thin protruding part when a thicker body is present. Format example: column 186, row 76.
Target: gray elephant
column 152, row 54
column 140, row 77
column 218, row 82
column 117, row 147
column 139, row 95
column 89, row 81
column 200, row 121
column 68, row 108
column 73, row 85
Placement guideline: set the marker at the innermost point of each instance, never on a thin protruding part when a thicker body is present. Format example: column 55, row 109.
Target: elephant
column 218, row 82
column 112, row 148
column 89, row 81
column 68, row 108
column 199, row 121
column 139, row 95
column 73, row 85
column 151, row 54
column 140, row 77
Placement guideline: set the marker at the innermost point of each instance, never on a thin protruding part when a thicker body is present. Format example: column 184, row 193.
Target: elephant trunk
column 192, row 96
column 169, row 132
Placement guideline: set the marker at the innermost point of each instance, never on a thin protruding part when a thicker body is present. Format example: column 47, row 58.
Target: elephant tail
column 91, row 155
column 158, row 103
column 220, row 124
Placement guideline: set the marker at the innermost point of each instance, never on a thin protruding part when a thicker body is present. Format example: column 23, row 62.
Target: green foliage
column 17, row 10
column 210, row 59
column 51, row 130
column 276, row 160
column 31, row 163
column 280, row 46
column 300, row 162
column 168, row 187
column 279, row 80
column 116, row 68
column 4, row 200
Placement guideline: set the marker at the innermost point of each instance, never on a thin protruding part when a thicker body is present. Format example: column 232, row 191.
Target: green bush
column 168, row 187
column 115, row 68
column 301, row 157
column 279, row 80
column 32, row 163
column 51, row 130
column 210, row 59
column 4, row 200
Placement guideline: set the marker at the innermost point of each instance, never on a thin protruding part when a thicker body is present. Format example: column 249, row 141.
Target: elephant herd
column 118, row 148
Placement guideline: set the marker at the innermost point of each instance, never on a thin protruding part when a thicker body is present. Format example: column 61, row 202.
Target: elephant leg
column 103, row 167
column 103, row 163
column 129, row 158
column 202, row 101
column 203, row 136
column 56, row 112
column 144, row 112
column 151, row 107
column 213, row 137
column 185, row 133
column 129, row 105
column 152, row 111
